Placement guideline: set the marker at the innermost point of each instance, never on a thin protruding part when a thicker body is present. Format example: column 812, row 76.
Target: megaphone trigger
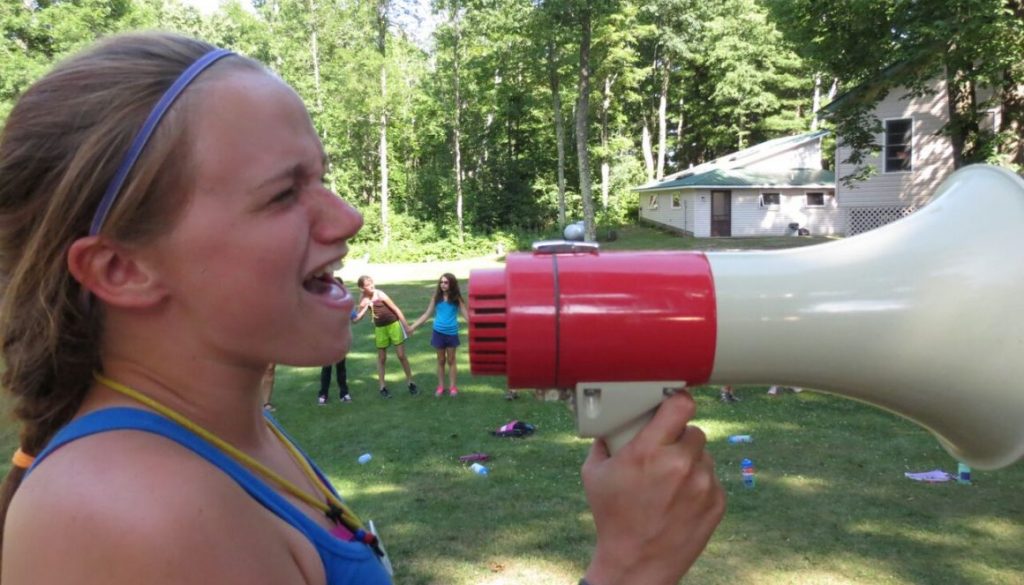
column 616, row 411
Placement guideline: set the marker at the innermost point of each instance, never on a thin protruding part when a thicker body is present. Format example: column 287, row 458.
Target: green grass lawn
column 831, row 505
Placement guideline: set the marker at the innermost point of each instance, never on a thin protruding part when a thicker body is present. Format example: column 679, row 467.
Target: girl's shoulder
column 80, row 508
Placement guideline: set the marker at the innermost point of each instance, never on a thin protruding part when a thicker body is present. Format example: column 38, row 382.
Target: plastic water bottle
column 365, row 458
column 479, row 469
column 740, row 439
column 963, row 473
column 747, row 471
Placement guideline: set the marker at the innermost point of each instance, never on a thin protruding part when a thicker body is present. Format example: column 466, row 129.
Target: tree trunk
column 606, row 104
column 582, row 111
column 816, row 101
column 680, row 126
column 382, row 31
column 645, row 145
column 1012, row 110
column 382, row 152
column 662, row 118
column 457, row 130
column 1013, row 99
column 556, row 111
column 314, row 53
column 959, row 103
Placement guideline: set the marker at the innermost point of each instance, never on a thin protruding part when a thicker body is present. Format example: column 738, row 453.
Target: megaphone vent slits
column 489, row 311
column 491, row 325
column 488, row 316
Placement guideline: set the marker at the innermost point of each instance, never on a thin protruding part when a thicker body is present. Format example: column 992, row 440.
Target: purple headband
column 142, row 138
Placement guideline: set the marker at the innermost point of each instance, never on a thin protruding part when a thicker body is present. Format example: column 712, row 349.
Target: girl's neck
column 224, row 400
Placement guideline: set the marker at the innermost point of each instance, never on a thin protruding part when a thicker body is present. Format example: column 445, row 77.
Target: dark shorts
column 441, row 341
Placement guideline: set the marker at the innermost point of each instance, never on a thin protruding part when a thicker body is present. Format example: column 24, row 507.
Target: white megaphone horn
column 923, row 317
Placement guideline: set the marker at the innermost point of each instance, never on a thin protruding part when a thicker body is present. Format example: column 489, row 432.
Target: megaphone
column 923, row 317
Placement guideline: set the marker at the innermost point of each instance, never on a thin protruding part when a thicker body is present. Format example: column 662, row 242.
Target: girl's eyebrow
column 292, row 172
column 284, row 174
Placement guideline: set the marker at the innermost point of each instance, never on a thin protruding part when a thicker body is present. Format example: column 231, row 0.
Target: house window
column 899, row 136
column 652, row 203
column 815, row 200
column 770, row 200
column 676, row 201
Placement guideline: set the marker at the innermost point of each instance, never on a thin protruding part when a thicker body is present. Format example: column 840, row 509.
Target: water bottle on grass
column 747, row 472
column 963, row 474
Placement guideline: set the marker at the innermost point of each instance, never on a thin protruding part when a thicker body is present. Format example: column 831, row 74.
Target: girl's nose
column 335, row 219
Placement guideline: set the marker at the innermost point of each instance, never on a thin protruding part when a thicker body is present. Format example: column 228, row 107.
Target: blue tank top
column 446, row 318
column 345, row 563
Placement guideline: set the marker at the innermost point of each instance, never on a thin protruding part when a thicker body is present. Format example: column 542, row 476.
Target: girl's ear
column 114, row 274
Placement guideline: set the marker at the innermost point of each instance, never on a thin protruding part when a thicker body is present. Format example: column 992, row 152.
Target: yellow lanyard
column 334, row 509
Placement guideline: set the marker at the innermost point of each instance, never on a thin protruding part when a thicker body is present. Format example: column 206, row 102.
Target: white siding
column 702, row 213
column 749, row 219
column 679, row 218
column 932, row 155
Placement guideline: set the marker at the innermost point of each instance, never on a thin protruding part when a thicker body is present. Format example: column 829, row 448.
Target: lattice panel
column 864, row 219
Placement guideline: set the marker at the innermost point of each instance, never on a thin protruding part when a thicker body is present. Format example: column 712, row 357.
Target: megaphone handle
column 616, row 411
column 618, row 439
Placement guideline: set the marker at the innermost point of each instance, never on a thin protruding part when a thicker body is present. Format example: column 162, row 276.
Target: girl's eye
column 285, row 195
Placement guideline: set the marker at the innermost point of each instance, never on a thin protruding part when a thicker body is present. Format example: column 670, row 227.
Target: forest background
column 515, row 117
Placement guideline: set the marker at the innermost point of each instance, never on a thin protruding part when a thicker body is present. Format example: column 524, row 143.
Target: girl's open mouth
column 324, row 284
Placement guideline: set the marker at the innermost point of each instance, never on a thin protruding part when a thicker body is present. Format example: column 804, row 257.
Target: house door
column 721, row 214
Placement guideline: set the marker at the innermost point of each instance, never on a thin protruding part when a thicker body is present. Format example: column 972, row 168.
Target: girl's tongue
column 325, row 285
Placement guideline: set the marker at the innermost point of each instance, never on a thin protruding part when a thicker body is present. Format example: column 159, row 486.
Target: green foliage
column 733, row 79
column 878, row 46
column 414, row 240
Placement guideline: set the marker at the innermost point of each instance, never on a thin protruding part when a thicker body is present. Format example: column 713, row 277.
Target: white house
column 771, row 189
column 913, row 159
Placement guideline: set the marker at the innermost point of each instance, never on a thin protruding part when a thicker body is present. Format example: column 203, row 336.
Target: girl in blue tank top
column 165, row 251
column 165, row 234
column 445, row 304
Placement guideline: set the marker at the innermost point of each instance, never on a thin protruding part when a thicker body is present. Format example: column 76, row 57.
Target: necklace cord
column 334, row 508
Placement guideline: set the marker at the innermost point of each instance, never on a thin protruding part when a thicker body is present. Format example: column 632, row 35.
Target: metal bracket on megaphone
column 616, row 411
column 565, row 247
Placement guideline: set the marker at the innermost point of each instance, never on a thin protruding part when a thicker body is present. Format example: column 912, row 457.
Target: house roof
column 874, row 88
column 730, row 171
column 739, row 178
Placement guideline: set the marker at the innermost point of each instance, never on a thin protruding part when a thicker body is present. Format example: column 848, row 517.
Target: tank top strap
column 127, row 418
column 345, row 562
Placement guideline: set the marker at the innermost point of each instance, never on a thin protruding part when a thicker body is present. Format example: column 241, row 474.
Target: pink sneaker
column 453, row 391
column 439, row 392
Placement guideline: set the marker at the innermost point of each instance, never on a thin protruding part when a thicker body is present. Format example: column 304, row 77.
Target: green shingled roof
column 739, row 178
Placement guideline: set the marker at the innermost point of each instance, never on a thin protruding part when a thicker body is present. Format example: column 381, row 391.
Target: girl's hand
column 655, row 503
